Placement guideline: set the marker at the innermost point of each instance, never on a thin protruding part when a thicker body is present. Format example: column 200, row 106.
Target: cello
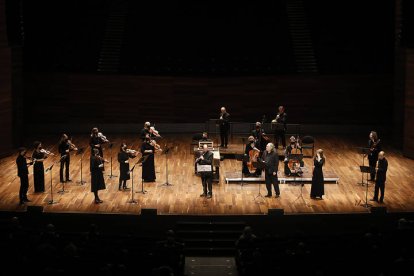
column 253, row 155
column 294, row 163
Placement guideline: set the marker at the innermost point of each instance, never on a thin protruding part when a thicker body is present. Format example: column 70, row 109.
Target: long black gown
column 123, row 167
column 38, row 172
column 97, row 179
column 148, row 167
column 317, row 189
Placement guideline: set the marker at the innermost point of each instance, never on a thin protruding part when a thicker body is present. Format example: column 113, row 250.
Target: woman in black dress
column 97, row 179
column 317, row 189
column 148, row 167
column 38, row 156
column 123, row 159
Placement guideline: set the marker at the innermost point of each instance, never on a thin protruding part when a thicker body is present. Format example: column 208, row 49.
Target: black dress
column 123, row 167
column 148, row 167
column 96, row 140
column 317, row 189
column 38, row 172
column 97, row 179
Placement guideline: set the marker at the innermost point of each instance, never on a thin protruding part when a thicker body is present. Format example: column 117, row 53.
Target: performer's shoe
column 313, row 197
column 21, row 202
column 125, row 188
column 209, row 196
column 69, row 180
column 277, row 196
column 26, row 200
column 268, row 195
column 373, row 199
column 203, row 195
column 381, row 201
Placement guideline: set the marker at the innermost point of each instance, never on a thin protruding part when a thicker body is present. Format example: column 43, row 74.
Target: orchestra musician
column 260, row 136
column 206, row 158
column 97, row 178
column 146, row 130
column 381, row 177
column 39, row 155
column 148, row 167
column 224, row 124
column 374, row 145
column 280, row 132
column 271, row 160
column 65, row 146
column 251, row 150
column 97, row 140
column 123, row 158
column 293, row 148
column 22, row 173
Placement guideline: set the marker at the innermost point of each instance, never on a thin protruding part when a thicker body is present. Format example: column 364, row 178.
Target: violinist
column 290, row 162
column 23, row 172
column 260, row 136
column 224, row 127
column 280, row 130
column 374, row 144
column 65, row 146
column 123, row 158
column 97, row 179
column 206, row 158
column 39, row 155
column 146, row 130
column 97, row 140
column 251, row 150
column 148, row 167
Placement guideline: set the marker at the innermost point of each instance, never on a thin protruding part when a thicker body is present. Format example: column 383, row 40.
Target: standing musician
column 148, row 148
column 253, row 152
column 123, row 158
column 293, row 148
column 280, row 133
column 260, row 136
column 39, row 155
column 65, row 146
column 23, row 172
column 374, row 144
column 146, row 130
column 224, row 124
column 381, row 177
column 206, row 158
column 97, row 140
column 271, row 160
column 97, row 179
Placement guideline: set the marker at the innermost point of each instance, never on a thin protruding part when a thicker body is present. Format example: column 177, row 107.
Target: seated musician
column 250, row 151
column 293, row 148
column 259, row 135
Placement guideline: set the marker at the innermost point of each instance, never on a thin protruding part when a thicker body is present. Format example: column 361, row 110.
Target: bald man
column 381, row 177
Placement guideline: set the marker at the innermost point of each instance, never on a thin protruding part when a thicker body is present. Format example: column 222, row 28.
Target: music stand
column 111, row 175
column 367, row 170
column 133, row 201
column 260, row 165
column 364, row 152
column 81, row 152
column 141, row 161
column 51, row 201
column 166, row 151
column 243, row 158
column 63, row 183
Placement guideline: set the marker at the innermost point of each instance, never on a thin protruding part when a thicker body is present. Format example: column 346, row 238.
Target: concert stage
column 182, row 198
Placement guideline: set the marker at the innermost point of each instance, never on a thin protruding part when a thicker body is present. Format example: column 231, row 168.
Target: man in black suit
column 381, row 177
column 280, row 131
column 224, row 127
column 23, row 172
column 206, row 158
column 271, row 160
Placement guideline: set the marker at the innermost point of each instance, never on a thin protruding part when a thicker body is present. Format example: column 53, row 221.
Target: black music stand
column 260, row 165
column 141, row 161
column 63, row 183
column 81, row 152
column 166, row 151
column 243, row 158
column 367, row 170
column 111, row 175
column 364, row 152
column 51, row 201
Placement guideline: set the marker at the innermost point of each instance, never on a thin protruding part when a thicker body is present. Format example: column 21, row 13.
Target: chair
column 308, row 142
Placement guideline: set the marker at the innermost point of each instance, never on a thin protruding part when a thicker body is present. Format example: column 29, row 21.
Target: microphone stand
column 261, row 165
column 111, row 175
column 81, row 152
column 63, row 184
column 166, row 167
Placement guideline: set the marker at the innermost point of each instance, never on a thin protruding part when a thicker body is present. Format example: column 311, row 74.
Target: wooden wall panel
column 409, row 105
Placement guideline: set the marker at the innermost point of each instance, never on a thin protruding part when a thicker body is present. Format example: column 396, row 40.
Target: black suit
column 207, row 177
column 22, row 172
column 63, row 147
column 373, row 155
column 381, row 177
column 271, row 165
column 280, row 134
column 224, row 128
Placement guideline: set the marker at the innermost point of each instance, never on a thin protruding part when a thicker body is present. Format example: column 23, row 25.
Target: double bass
column 253, row 155
column 263, row 135
column 294, row 163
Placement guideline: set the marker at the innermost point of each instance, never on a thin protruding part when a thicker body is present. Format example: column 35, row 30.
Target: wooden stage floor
column 231, row 198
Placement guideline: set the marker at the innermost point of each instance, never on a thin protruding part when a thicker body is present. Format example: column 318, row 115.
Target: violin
column 103, row 138
column 46, row 152
column 152, row 130
column 131, row 152
column 71, row 145
column 156, row 146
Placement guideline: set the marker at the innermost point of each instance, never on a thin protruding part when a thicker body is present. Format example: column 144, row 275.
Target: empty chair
column 308, row 142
